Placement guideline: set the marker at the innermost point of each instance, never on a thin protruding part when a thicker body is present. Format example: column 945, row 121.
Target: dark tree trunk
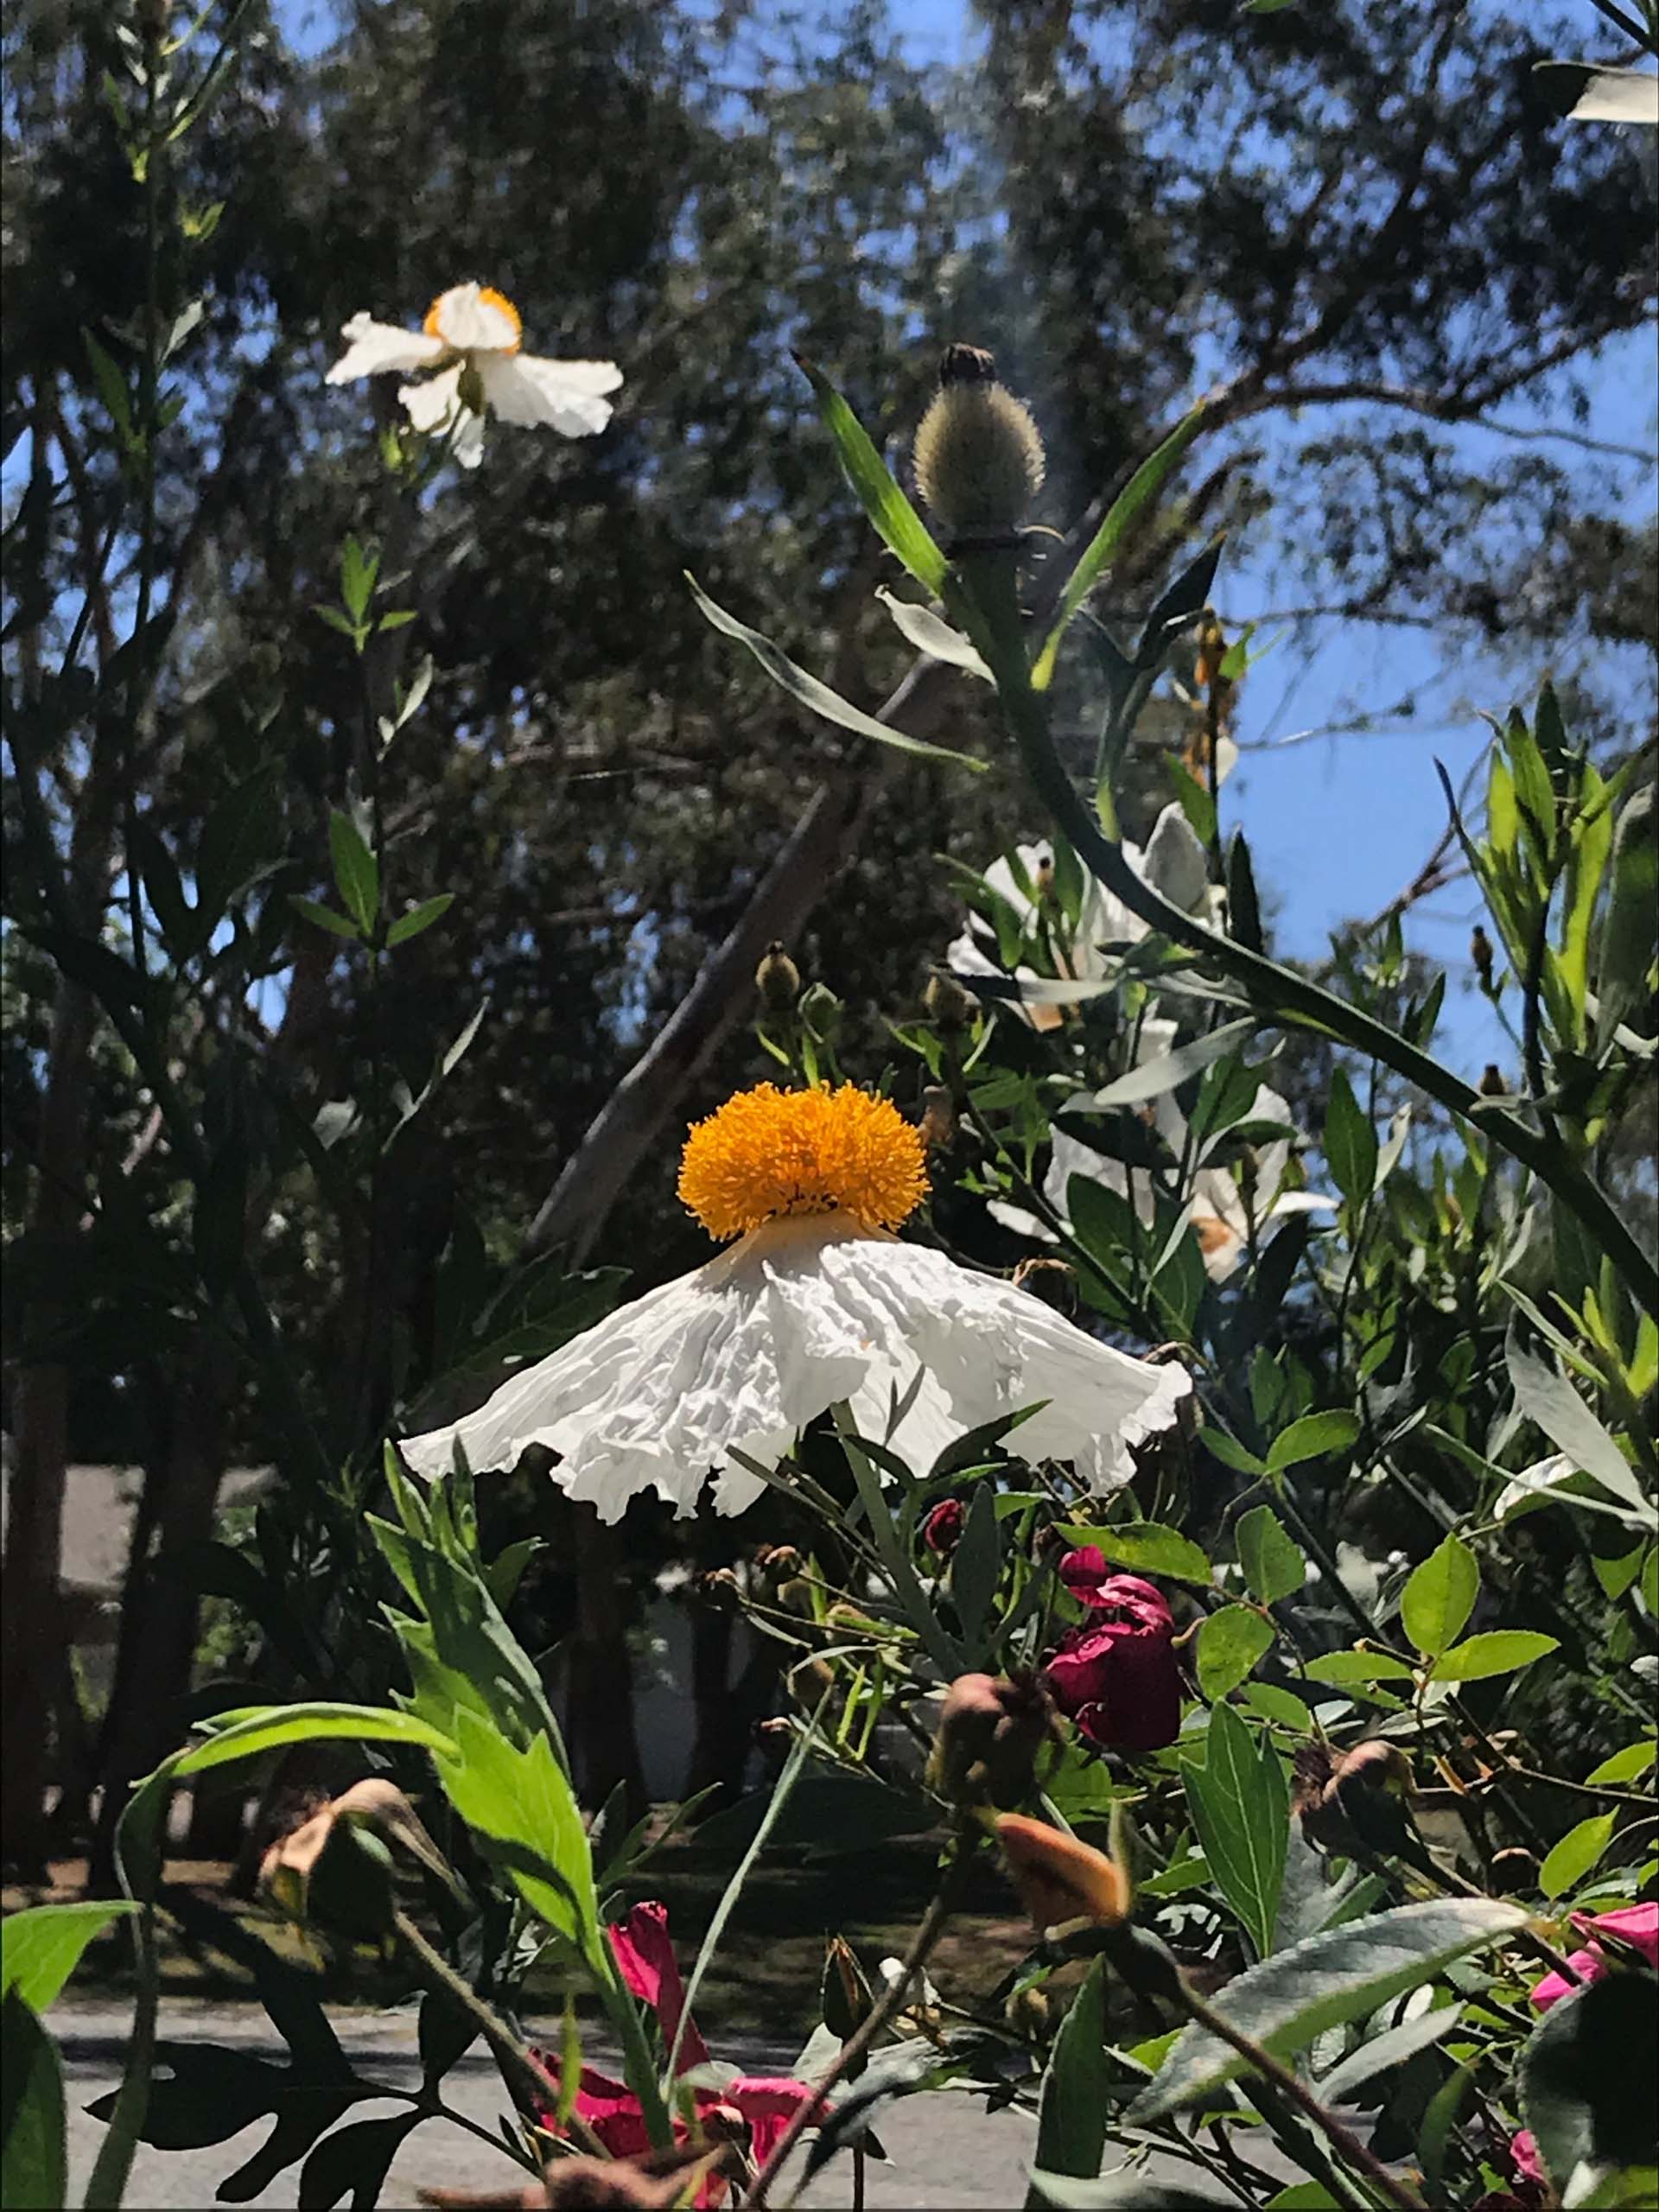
column 33, row 1652
column 604, row 1747
column 726, row 1711
column 159, row 1619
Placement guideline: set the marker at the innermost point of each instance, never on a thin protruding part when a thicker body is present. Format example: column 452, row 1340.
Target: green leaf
column 930, row 635
column 1342, row 1974
column 246, row 1732
column 1571, row 1859
column 1243, row 906
column 420, row 917
column 1240, row 1810
column 1589, row 2082
column 1272, row 1566
column 1440, row 1597
column 1499, row 1651
column 112, row 389
column 1126, row 2188
column 40, row 1946
column 1170, row 1070
column 1072, row 2107
column 1546, row 1396
column 896, row 522
column 1315, row 1436
column 1141, row 490
column 975, row 1567
column 1230, row 1452
column 358, row 570
column 356, row 870
column 1392, row 2047
column 1349, row 1141
column 34, row 2167
column 1148, row 1547
column 1341, row 1667
column 817, row 698
column 1229, row 1643
column 1626, row 1765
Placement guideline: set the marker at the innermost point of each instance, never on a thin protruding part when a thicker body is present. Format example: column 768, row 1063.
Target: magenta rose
column 1117, row 1676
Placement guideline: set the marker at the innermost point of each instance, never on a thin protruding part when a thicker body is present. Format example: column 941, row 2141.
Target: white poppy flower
column 473, row 331
column 816, row 1303
column 1174, row 863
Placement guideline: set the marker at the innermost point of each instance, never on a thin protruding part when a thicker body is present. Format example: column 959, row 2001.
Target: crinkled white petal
column 469, row 323
column 521, row 388
column 375, row 349
column 1618, row 96
column 800, row 1315
column 433, row 406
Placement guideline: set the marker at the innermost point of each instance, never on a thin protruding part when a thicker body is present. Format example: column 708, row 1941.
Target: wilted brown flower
column 1060, row 1878
column 990, row 1731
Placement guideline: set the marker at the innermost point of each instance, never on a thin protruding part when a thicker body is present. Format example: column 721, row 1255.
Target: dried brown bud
column 809, row 1679
column 948, row 1005
column 1492, row 1084
column 1053, row 1280
column 1026, row 2013
column 1350, row 1800
column 1480, row 952
column 777, row 979
column 990, row 1731
column 961, row 364
column 720, row 1587
column 938, row 1118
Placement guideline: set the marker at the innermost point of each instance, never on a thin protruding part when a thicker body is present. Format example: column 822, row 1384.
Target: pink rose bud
column 942, row 1530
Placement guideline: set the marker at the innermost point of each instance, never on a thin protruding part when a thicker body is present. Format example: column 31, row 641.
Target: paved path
column 944, row 2150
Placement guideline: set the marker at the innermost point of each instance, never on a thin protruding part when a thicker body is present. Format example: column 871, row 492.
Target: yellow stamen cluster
column 768, row 1153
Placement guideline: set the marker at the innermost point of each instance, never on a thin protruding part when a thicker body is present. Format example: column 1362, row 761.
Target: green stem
column 1279, row 993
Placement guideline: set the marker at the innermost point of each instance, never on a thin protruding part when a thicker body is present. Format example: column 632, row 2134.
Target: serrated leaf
column 246, row 1732
column 40, row 1946
column 1229, row 1643
column 1272, row 1566
column 1498, row 1651
column 1440, row 1597
column 816, row 697
column 1315, row 1436
column 34, row 2169
column 1571, row 1859
column 1343, row 1975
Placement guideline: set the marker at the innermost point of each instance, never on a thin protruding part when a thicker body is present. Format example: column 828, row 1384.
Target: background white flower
column 473, row 333
column 1173, row 863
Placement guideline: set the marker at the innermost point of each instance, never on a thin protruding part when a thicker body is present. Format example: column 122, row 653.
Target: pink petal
column 1590, row 1965
column 646, row 1960
column 1635, row 1924
column 768, row 2102
column 1523, row 2149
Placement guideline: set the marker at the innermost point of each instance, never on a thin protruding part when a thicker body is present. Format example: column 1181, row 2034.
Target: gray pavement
column 945, row 2148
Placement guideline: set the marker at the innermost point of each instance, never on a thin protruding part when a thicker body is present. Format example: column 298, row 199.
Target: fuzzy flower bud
column 978, row 458
column 1061, row 1879
column 777, row 979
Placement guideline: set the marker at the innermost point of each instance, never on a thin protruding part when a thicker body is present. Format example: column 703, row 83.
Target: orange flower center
column 487, row 296
column 769, row 1153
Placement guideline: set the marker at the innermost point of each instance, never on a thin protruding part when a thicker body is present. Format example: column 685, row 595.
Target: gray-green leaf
column 1240, row 1809
column 1329, row 1979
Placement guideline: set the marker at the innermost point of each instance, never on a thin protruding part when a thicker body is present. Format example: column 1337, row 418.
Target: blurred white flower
column 1222, row 1206
column 1173, row 863
column 1618, row 96
column 817, row 1303
column 471, row 337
